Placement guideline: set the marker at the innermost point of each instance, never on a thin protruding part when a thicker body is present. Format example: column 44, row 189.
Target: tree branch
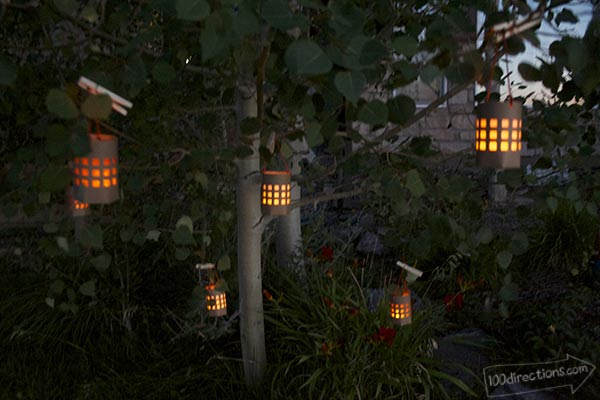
column 328, row 197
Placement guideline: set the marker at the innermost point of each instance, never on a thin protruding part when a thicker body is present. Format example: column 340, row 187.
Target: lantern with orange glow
column 498, row 134
column 276, row 192
column 216, row 301
column 95, row 176
column 401, row 308
column 76, row 207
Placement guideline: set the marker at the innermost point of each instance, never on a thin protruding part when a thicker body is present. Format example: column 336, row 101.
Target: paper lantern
column 95, row 176
column 498, row 135
column 401, row 308
column 76, row 208
column 216, row 301
column 276, row 192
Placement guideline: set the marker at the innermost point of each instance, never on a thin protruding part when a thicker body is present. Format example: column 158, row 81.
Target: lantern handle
column 278, row 148
column 510, row 97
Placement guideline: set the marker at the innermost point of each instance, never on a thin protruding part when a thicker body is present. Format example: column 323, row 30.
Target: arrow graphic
column 511, row 379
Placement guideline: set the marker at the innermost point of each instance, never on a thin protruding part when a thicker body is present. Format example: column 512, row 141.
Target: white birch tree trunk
column 289, row 229
column 249, row 233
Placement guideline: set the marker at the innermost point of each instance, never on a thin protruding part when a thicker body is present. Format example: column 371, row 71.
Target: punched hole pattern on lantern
column 399, row 311
column 498, row 134
column 276, row 195
column 95, row 173
column 79, row 205
column 216, row 301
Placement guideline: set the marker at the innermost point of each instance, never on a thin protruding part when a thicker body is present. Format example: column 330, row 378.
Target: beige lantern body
column 76, row 208
column 276, row 192
column 216, row 302
column 401, row 308
column 498, row 135
column 95, row 176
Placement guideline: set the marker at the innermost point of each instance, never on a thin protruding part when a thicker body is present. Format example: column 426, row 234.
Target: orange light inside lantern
column 494, row 135
column 216, row 301
column 276, row 195
column 401, row 308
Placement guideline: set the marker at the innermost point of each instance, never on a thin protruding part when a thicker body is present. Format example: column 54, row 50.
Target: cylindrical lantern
column 276, row 192
column 401, row 308
column 76, row 208
column 498, row 135
column 95, row 176
column 216, row 301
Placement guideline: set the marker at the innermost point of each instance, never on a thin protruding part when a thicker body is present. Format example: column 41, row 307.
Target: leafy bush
column 325, row 343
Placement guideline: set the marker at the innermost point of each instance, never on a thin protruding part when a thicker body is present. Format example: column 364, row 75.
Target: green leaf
column 484, row 235
column 373, row 113
column 92, row 236
column 50, row 302
column 552, row 203
column 201, row 178
column 97, row 106
column 185, row 221
column 8, row 72
column 278, row 14
column 566, row 15
column 350, row 84
column 212, row 41
column 429, row 73
column 88, row 288
column 163, row 72
column 126, row 234
column 57, row 286
column 62, row 243
column 529, row 72
column 54, row 178
column 402, row 108
column 153, row 235
column 509, row 292
column 572, row 193
column 182, row 253
column 66, row 6
column 192, row 10
column 406, row 45
column 504, row 258
column 245, row 22
column 102, row 262
column 313, row 134
column 305, row 57
column 372, row 52
column 89, row 14
column 183, row 236
column 60, row 104
column 414, row 183
column 224, row 263
column 519, row 244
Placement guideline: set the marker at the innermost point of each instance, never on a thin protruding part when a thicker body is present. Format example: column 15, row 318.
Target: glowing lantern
column 498, row 135
column 216, row 301
column 95, row 176
column 276, row 192
column 76, row 207
column 401, row 308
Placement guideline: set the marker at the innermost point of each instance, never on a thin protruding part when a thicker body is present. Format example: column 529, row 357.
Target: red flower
column 326, row 253
column 267, row 294
column 454, row 302
column 384, row 334
column 325, row 349
column 328, row 302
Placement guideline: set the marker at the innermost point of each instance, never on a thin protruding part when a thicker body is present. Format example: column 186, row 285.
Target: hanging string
column 508, row 73
column 277, row 151
column 492, row 67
